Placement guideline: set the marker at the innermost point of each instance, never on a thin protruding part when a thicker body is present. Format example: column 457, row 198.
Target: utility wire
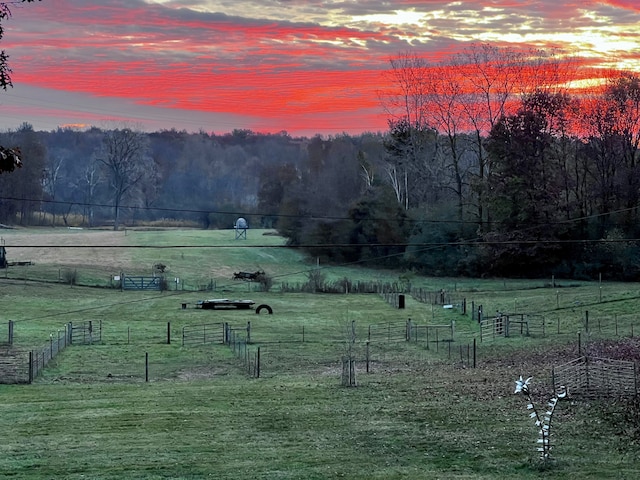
column 299, row 216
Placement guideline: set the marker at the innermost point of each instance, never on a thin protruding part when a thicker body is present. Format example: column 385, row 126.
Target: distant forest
column 547, row 185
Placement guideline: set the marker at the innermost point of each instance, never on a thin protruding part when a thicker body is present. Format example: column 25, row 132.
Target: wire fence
column 593, row 376
column 157, row 352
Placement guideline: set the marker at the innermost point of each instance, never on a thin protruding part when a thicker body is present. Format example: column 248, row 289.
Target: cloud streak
column 302, row 66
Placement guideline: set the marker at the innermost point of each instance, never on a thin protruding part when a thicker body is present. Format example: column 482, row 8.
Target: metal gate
column 203, row 334
column 141, row 283
column 85, row 333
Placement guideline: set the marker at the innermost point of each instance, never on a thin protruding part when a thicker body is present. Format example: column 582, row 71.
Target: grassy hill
column 147, row 401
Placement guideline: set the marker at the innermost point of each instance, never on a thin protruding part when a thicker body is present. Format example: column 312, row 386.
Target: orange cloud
column 255, row 63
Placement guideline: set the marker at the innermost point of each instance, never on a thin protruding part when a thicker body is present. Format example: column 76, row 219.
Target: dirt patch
column 99, row 248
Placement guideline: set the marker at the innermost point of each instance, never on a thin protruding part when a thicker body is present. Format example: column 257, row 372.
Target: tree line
column 494, row 163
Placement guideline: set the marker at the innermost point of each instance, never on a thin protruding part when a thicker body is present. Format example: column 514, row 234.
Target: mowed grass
column 421, row 412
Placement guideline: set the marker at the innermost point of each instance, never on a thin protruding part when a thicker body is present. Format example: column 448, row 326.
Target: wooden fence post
column 474, row 353
column 168, row 333
column 586, row 321
column 146, row 366
column 367, row 355
column 258, row 363
column 427, row 337
column 579, row 344
column 348, row 371
column 10, row 332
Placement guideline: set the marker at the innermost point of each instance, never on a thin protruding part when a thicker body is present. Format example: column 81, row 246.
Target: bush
column 315, row 281
column 70, row 276
column 265, row 281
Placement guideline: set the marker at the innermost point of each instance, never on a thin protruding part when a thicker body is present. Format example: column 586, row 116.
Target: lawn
column 140, row 404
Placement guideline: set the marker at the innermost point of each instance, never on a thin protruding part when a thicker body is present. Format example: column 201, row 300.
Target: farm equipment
column 248, row 276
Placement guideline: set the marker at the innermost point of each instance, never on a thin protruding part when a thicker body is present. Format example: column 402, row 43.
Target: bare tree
column 492, row 75
column 90, row 180
column 446, row 114
column 125, row 157
column 51, row 181
column 407, row 105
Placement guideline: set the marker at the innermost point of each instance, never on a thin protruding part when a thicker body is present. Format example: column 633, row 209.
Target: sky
column 304, row 67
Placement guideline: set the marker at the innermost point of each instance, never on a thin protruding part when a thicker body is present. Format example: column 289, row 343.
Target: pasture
column 142, row 403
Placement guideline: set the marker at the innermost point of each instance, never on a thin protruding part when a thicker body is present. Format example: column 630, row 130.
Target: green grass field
column 421, row 411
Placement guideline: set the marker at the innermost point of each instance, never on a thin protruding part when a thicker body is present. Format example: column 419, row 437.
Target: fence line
column 374, row 342
column 239, row 339
column 593, row 376
column 40, row 357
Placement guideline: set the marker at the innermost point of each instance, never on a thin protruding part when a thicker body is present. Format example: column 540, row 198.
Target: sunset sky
column 307, row 67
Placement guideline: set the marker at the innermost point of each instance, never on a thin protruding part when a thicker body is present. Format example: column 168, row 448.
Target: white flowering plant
column 542, row 421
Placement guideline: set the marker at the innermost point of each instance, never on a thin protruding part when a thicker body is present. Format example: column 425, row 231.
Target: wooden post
column 579, row 344
column 146, row 366
column 31, row 367
column 474, row 353
column 586, row 321
column 10, row 332
column 353, row 331
column 249, row 332
column 258, row 363
column 168, row 333
column 367, row 355
column 427, row 337
column 352, row 372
